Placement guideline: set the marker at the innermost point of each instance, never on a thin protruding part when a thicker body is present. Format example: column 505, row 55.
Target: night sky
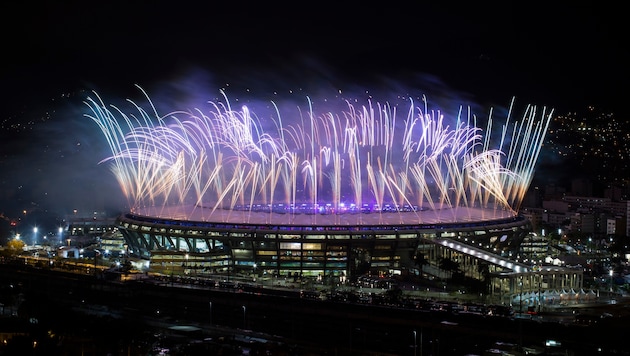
column 557, row 56
column 561, row 57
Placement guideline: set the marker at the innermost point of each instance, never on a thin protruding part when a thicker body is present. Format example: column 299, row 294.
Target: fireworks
column 363, row 158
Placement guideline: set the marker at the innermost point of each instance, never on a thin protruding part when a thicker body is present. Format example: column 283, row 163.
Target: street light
column 60, row 231
column 520, row 299
column 415, row 345
column 611, row 282
column 210, row 304
column 244, row 322
column 34, row 235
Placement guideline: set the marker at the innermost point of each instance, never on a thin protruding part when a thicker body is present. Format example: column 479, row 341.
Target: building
column 336, row 247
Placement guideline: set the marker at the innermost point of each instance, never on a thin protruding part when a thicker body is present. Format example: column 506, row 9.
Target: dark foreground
column 68, row 314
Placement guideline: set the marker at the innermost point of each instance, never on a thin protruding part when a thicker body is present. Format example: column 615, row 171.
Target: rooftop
column 325, row 216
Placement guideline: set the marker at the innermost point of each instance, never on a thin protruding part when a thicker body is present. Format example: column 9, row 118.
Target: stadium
column 327, row 196
column 373, row 243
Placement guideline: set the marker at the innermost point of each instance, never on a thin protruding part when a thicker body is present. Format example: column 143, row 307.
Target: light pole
column 244, row 320
column 126, row 251
column 415, row 345
column 60, row 231
column 34, row 235
column 210, row 305
column 520, row 299
column 611, row 283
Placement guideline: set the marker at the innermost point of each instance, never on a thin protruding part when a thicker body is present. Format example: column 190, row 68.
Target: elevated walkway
column 509, row 278
column 515, row 267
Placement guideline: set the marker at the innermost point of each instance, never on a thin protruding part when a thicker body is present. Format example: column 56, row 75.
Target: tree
column 14, row 247
column 483, row 268
column 361, row 262
column 618, row 250
column 484, row 272
column 421, row 261
column 394, row 295
column 449, row 265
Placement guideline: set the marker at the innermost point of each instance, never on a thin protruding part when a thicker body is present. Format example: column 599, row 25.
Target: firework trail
column 364, row 157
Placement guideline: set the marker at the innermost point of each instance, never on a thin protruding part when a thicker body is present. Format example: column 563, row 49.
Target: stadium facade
column 341, row 248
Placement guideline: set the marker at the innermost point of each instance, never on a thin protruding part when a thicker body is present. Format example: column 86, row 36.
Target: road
column 339, row 327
